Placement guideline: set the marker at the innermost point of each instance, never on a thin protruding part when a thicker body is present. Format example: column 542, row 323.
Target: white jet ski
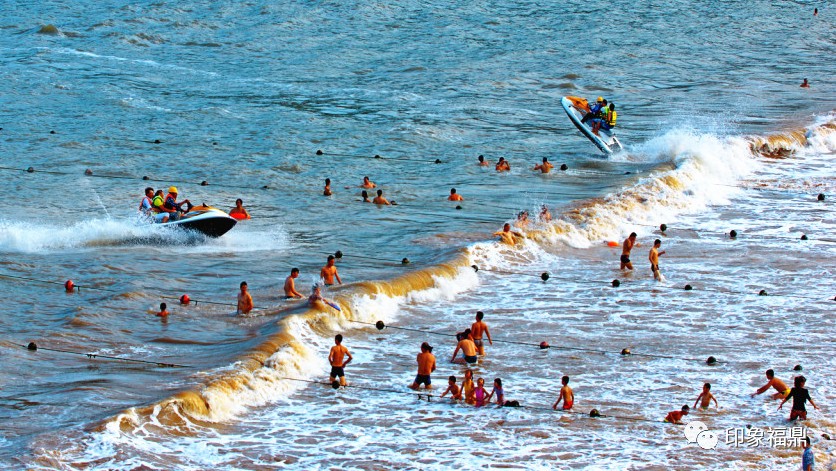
column 209, row 221
column 577, row 108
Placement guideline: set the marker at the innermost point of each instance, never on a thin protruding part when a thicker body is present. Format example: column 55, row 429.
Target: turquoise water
column 242, row 95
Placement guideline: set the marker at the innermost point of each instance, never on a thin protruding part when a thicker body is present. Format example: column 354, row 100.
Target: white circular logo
column 693, row 429
column 707, row 440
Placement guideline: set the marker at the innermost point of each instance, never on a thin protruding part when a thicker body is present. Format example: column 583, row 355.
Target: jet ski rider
column 150, row 206
column 172, row 207
column 595, row 110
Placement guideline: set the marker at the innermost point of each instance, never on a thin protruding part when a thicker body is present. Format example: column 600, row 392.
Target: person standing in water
column 245, row 301
column 545, row 167
column 380, row 200
column 329, row 272
column 336, row 357
column 368, row 184
column 628, row 245
column 478, row 330
column 654, row 259
column 799, row 395
column 454, row 196
column 327, row 190
column 566, row 395
column 426, row 365
column 290, row 285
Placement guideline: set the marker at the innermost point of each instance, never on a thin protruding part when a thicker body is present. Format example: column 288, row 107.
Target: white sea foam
column 28, row 237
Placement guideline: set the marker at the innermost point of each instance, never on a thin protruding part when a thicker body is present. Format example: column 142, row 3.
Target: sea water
column 718, row 137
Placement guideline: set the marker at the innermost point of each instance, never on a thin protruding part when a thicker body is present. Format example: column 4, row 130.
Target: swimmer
column 799, row 395
column 508, row 236
column 239, row 210
column 500, row 394
column 503, row 165
column 545, row 215
column 545, row 167
column 522, row 220
column 426, row 365
column 454, row 196
column 468, row 387
column 316, row 295
column 365, row 196
column 805, row 84
column 368, row 184
column 479, row 393
column 290, row 285
column 329, row 272
column 628, row 245
column 245, row 301
column 327, row 190
column 654, row 259
column 335, row 358
column 163, row 310
column 380, row 200
column 706, row 397
column 477, row 330
column 566, row 395
column 468, row 349
column 675, row 417
column 483, row 162
column 453, row 389
column 780, row 386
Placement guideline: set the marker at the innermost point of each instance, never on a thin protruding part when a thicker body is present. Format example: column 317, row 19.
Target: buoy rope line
column 734, row 235
column 89, row 173
column 77, row 288
column 33, row 347
column 543, row 346
column 319, row 152
column 616, row 283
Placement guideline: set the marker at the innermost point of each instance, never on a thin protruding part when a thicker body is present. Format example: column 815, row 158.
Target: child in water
column 163, row 310
column 706, row 397
column 479, row 394
column 469, row 388
column 675, row 417
column 455, row 392
column 566, row 395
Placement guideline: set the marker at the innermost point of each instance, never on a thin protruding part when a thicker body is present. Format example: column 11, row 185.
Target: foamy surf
column 29, row 237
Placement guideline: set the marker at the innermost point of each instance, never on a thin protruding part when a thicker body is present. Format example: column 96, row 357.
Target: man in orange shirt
column 454, row 196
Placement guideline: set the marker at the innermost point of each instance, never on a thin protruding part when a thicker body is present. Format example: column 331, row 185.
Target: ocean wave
column 694, row 170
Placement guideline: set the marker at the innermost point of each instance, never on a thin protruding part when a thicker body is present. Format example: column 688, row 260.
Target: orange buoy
column 185, row 299
column 69, row 286
column 612, row 243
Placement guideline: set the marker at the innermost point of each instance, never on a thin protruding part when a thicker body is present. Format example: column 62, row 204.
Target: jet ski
column 209, row 221
column 576, row 108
